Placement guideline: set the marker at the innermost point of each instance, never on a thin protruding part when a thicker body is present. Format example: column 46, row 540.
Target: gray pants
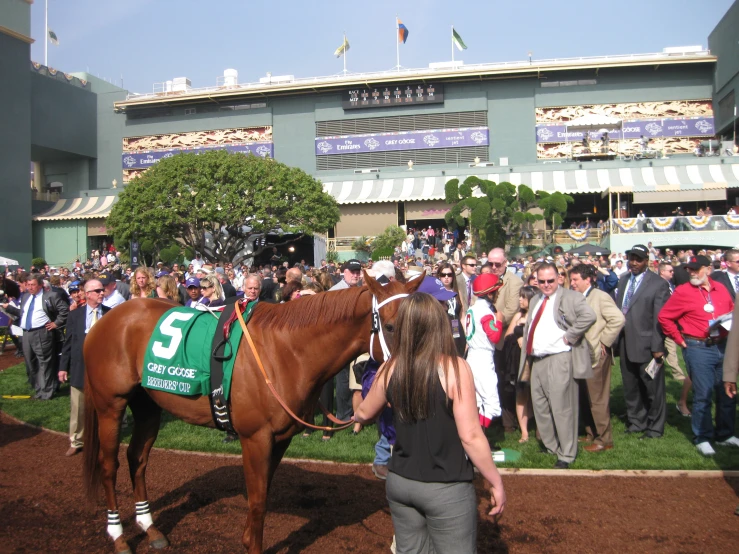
column 554, row 395
column 432, row 518
column 41, row 361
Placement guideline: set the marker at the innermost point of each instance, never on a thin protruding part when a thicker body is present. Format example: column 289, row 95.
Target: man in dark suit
column 228, row 289
column 729, row 278
column 268, row 285
column 72, row 364
column 641, row 295
column 42, row 318
column 121, row 286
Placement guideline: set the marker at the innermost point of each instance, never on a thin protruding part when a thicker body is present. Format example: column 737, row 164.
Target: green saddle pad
column 177, row 358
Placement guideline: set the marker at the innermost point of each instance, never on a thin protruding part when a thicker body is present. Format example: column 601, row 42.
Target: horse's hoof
column 121, row 546
column 159, row 543
column 157, row 539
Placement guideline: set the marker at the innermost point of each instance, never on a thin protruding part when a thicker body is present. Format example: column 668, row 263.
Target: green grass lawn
column 674, row 451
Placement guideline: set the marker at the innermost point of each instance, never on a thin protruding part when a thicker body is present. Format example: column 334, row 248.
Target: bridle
column 376, row 330
column 377, row 325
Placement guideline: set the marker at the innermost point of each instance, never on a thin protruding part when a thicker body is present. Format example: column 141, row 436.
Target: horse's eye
column 389, row 328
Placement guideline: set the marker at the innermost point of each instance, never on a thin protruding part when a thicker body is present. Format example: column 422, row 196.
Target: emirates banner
column 408, row 140
column 143, row 160
column 631, row 129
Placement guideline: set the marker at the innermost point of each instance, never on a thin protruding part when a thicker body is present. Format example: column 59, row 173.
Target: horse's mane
column 324, row 308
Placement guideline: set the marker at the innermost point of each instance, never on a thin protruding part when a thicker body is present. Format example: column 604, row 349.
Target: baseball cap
column 351, row 265
column 192, row 282
column 434, row 287
column 74, row 285
column 161, row 273
column 106, row 278
column 220, row 270
column 696, row 262
column 638, row 250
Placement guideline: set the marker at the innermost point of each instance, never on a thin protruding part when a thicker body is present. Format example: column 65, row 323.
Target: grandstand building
column 384, row 144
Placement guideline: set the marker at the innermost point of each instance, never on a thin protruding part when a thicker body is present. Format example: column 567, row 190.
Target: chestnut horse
column 302, row 345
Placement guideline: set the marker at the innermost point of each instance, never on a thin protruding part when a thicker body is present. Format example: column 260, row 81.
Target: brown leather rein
column 341, row 425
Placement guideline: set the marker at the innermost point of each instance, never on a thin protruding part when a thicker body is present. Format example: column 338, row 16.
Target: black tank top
column 430, row 451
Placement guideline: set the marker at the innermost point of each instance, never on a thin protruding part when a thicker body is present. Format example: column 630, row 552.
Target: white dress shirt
column 39, row 317
column 114, row 299
column 88, row 316
column 548, row 338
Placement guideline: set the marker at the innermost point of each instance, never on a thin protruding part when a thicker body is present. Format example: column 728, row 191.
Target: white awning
column 78, row 208
column 569, row 181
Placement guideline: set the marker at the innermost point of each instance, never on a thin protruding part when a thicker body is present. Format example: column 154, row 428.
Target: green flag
column 458, row 42
column 52, row 38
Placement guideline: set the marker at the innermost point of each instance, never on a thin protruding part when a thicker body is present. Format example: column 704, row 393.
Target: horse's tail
column 91, row 470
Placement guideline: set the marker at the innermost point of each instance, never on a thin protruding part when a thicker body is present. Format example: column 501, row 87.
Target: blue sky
column 148, row 41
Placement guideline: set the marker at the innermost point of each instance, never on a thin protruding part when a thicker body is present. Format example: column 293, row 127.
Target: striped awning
column 569, row 181
column 78, row 208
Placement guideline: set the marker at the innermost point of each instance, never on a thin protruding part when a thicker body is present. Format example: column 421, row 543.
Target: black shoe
column 19, row 354
column 230, row 437
column 561, row 464
column 634, row 431
column 646, row 436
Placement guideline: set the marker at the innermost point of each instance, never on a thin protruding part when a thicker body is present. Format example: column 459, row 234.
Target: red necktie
column 537, row 317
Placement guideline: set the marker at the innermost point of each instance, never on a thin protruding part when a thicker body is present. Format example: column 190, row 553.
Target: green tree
column 554, row 206
column 498, row 217
column 391, row 237
column 221, row 204
column 363, row 244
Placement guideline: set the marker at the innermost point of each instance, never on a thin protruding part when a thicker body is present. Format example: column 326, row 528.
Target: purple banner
column 409, row 140
column 632, row 129
column 142, row 160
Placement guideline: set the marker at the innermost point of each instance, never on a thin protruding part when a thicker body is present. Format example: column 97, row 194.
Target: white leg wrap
column 144, row 521
column 115, row 529
column 143, row 516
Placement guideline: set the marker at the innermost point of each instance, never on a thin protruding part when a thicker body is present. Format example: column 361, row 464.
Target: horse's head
column 385, row 303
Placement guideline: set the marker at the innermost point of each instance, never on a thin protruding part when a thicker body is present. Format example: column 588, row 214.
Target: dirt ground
column 198, row 501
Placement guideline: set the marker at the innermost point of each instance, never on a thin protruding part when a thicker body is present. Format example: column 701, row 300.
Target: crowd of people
column 535, row 337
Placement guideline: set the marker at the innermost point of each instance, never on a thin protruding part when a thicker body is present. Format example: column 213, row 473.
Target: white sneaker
column 731, row 441
column 705, row 448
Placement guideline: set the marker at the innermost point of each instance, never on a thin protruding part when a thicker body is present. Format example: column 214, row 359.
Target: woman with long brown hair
column 512, row 357
column 438, row 435
column 143, row 284
column 445, row 273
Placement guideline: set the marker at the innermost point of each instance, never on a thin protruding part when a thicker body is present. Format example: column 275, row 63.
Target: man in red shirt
column 690, row 318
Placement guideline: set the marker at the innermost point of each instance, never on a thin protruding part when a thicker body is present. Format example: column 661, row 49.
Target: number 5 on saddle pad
column 177, row 359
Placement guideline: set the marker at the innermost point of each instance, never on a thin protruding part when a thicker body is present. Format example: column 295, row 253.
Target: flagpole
column 397, row 43
column 452, row 37
column 46, row 33
column 345, row 49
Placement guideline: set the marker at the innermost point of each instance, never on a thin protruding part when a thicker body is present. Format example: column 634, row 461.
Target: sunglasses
column 471, row 265
column 205, row 288
column 96, row 291
column 546, row 281
column 446, row 275
column 497, row 264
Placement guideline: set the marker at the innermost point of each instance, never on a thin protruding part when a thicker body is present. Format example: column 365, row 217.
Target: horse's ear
column 372, row 284
column 412, row 285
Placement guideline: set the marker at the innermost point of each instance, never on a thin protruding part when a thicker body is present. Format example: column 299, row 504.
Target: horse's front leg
column 256, row 452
